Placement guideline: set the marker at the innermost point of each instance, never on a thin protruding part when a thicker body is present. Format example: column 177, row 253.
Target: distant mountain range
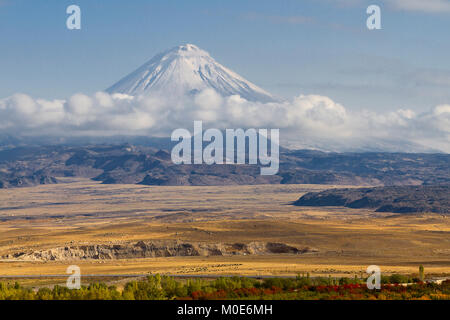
column 116, row 164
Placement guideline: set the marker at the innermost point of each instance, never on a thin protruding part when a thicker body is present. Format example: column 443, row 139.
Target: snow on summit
column 185, row 70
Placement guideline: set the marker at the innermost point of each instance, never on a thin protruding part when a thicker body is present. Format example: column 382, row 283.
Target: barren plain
column 36, row 222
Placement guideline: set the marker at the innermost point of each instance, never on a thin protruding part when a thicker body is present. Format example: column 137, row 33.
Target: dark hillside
column 398, row 199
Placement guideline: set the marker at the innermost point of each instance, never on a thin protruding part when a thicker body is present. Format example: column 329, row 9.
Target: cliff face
column 147, row 249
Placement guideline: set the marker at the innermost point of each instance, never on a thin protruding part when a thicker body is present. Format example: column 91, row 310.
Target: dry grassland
column 85, row 212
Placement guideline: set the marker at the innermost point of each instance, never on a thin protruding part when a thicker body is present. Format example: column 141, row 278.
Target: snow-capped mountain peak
column 187, row 69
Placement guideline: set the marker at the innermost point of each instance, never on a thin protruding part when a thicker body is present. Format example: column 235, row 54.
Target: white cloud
column 305, row 121
column 430, row 6
column 425, row 6
column 277, row 19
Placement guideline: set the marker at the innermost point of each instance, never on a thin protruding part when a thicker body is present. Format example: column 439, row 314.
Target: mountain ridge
column 129, row 164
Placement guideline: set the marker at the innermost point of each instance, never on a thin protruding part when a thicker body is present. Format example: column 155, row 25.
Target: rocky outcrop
column 398, row 199
column 151, row 249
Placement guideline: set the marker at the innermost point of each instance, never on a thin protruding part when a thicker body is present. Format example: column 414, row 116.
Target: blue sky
column 287, row 47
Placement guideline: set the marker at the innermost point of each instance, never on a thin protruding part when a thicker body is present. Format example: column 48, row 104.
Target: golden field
column 81, row 211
